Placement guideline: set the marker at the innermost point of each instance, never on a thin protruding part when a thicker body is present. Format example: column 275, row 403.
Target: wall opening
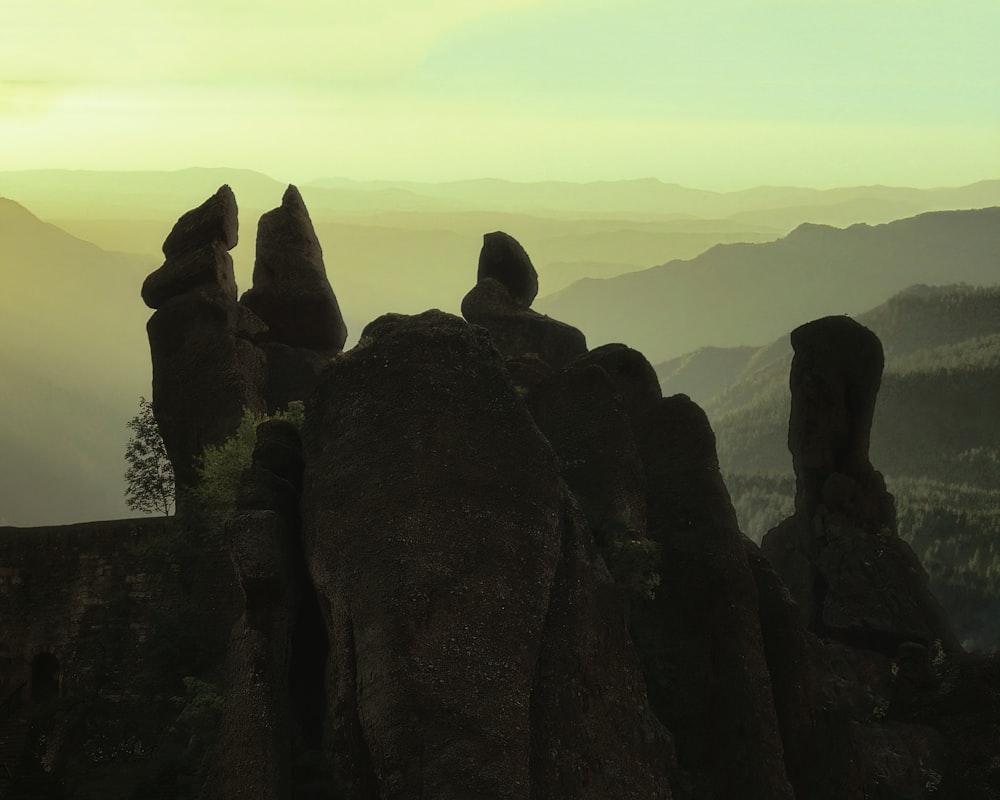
column 44, row 677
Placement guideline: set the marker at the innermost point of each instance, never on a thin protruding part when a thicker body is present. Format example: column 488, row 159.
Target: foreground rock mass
column 502, row 566
column 215, row 359
column 480, row 653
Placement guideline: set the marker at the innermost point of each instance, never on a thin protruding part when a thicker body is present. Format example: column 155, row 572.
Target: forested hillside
column 936, row 436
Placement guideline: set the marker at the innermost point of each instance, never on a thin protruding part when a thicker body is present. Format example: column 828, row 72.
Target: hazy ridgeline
column 75, row 247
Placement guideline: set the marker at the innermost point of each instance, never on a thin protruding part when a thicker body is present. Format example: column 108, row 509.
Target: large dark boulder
column 630, row 372
column 197, row 252
column 291, row 292
column 503, row 258
column 479, row 650
column 517, row 330
column 700, row 636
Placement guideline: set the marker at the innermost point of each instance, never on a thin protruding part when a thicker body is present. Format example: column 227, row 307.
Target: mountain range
column 75, row 247
column 935, row 436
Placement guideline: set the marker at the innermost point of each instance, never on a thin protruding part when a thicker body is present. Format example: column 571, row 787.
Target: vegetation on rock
column 149, row 478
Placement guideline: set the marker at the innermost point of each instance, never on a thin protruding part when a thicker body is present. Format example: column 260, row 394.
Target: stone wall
column 92, row 595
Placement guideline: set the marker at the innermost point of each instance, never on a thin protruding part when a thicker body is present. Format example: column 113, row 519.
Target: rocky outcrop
column 197, row 252
column 253, row 759
column 507, row 283
column 479, row 650
column 503, row 259
column 206, row 367
column 700, row 636
column 291, row 292
column 840, row 554
column 292, row 295
column 582, row 416
column 215, row 358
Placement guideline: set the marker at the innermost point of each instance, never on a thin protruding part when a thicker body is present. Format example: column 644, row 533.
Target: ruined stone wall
column 98, row 595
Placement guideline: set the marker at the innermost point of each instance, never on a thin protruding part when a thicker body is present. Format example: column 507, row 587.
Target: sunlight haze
column 723, row 95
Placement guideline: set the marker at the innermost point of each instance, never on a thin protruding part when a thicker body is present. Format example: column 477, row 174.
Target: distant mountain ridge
column 935, row 436
column 737, row 294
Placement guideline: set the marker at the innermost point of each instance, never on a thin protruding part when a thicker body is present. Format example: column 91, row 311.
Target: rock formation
column 700, row 636
column 500, row 303
column 206, row 368
column 215, row 358
column 255, row 742
column 292, row 295
column 526, row 563
column 503, row 258
column 475, row 656
column 840, row 554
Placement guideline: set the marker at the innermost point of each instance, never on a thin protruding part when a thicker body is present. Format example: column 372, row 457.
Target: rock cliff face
column 500, row 303
column 215, row 358
column 206, row 368
column 840, row 554
column 481, row 654
column 527, row 568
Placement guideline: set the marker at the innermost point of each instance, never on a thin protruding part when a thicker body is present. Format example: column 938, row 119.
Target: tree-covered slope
column 936, row 437
column 739, row 294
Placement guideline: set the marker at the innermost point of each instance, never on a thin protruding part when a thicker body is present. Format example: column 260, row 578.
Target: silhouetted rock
column 215, row 220
column 700, row 637
column 632, row 375
column 581, row 415
column 197, row 252
column 517, row 330
column 840, row 554
column 503, row 258
column 527, row 371
column 253, row 758
column 291, row 292
column 479, row 650
column 206, row 371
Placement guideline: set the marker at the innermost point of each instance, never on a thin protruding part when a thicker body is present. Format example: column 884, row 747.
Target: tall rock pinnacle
column 840, row 554
column 291, row 292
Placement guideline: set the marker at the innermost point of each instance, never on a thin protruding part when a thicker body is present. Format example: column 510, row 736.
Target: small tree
column 149, row 478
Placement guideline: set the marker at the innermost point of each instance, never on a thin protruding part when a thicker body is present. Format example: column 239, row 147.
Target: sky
column 718, row 94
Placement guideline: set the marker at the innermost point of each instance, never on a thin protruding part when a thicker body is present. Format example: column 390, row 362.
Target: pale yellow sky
column 720, row 94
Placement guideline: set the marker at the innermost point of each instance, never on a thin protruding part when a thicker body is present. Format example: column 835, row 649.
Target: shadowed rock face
column 197, row 252
column 213, row 358
column 291, row 292
column 206, row 368
column 840, row 554
column 503, row 258
column 255, row 741
column 507, row 283
column 835, row 377
column 516, row 330
column 700, row 637
column 631, row 374
column 475, row 655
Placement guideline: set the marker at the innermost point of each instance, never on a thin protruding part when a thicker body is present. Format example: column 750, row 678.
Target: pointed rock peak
column 289, row 229
column 503, row 258
column 215, row 220
column 291, row 292
column 293, row 198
